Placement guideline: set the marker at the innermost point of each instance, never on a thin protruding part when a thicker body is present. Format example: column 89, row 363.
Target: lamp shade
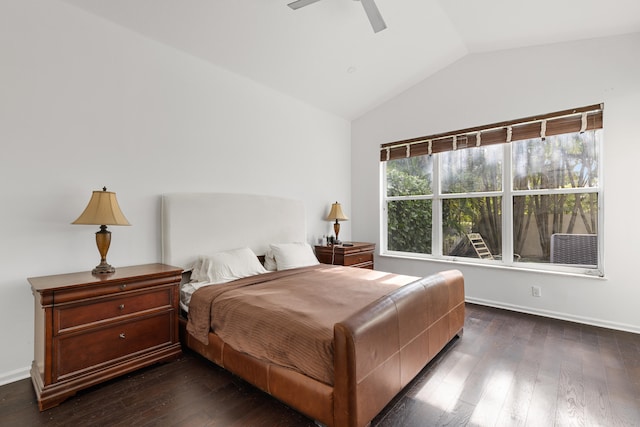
column 336, row 213
column 103, row 209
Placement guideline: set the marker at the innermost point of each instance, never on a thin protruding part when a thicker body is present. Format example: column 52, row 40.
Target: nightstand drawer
column 81, row 293
column 358, row 258
column 79, row 352
column 75, row 315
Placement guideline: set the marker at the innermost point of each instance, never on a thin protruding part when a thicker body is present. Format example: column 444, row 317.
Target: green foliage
column 409, row 226
column 472, row 170
column 473, row 214
column 561, row 161
column 469, row 171
column 409, row 221
column 409, row 177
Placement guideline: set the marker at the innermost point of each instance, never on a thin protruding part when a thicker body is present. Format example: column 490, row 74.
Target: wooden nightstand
column 89, row 329
column 358, row 255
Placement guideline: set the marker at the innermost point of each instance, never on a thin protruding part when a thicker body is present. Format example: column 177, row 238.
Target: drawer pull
column 121, row 306
column 123, row 287
column 122, row 335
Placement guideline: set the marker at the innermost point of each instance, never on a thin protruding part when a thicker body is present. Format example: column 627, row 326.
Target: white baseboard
column 13, row 376
column 557, row 315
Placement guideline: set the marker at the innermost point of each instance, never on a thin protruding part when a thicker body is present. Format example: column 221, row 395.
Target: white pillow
column 270, row 261
column 223, row 267
column 293, row 255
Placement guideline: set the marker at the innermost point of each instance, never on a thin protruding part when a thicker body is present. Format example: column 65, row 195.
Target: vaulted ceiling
column 326, row 53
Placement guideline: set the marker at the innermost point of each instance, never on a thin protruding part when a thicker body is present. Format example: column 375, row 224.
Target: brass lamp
column 337, row 215
column 102, row 210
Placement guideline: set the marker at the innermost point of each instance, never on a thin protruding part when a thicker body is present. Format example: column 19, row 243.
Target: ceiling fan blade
column 300, row 3
column 373, row 14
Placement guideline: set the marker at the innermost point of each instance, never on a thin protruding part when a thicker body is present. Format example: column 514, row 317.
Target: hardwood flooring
column 508, row 369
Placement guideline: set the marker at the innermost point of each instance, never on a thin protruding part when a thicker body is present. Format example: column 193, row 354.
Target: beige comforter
column 287, row 317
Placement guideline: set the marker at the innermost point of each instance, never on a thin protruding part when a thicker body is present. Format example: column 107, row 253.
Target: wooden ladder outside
column 480, row 246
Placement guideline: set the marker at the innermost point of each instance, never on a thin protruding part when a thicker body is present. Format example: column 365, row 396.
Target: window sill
column 524, row 267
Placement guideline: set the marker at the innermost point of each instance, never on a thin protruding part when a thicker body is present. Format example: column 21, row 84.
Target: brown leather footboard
column 381, row 348
column 377, row 352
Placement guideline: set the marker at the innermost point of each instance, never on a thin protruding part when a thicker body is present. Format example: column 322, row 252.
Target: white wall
column 488, row 88
column 85, row 103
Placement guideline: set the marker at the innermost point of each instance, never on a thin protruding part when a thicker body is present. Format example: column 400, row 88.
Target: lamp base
column 336, row 229
column 103, row 240
column 103, row 268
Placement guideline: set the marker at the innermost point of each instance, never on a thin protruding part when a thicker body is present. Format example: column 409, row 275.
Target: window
column 525, row 192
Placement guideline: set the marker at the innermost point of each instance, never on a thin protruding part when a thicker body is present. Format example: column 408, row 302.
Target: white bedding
column 186, row 290
column 226, row 266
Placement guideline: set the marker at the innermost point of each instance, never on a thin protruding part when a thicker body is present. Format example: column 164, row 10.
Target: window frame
column 507, row 193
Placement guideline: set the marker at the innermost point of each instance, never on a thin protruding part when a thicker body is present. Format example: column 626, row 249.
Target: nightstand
column 91, row 328
column 358, row 255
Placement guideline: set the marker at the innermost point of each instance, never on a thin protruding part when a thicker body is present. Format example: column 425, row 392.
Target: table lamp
column 102, row 210
column 337, row 215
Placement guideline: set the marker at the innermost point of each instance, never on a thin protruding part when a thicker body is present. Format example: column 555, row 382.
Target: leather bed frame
column 377, row 351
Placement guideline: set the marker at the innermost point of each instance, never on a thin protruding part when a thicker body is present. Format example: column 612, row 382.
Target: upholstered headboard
column 202, row 223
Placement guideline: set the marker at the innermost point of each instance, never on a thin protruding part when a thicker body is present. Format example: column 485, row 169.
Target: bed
column 390, row 330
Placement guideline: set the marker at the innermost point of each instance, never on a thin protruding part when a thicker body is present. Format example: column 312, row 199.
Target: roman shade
column 567, row 121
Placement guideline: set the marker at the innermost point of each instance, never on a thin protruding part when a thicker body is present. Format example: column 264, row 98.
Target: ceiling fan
column 369, row 7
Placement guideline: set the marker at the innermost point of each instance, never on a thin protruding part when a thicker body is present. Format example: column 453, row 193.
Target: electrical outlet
column 536, row 291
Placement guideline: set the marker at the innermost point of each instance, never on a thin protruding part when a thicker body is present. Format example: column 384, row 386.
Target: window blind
column 567, row 121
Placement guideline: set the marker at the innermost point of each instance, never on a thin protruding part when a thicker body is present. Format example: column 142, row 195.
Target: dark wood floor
column 508, row 369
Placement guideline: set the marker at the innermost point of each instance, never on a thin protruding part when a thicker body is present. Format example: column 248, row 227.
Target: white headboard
column 202, row 223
